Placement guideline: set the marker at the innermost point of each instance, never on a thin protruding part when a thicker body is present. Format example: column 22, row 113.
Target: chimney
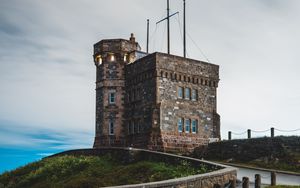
column 132, row 38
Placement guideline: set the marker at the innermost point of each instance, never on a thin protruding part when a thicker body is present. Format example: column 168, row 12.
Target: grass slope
column 92, row 171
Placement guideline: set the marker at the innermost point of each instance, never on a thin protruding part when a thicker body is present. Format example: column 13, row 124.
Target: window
column 187, row 93
column 129, row 128
column 194, row 94
column 187, row 125
column 125, row 58
column 194, row 126
column 112, row 98
column 111, row 128
column 180, row 92
column 99, row 60
column 139, row 127
column 135, row 127
column 132, row 127
column 112, row 57
column 179, row 125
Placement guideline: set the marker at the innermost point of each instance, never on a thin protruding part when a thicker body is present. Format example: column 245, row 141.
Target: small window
column 179, row 124
column 112, row 98
column 175, row 75
column 179, row 77
column 187, row 125
column 133, row 129
column 139, row 127
column 184, row 78
column 99, row 60
column 129, row 127
column 136, row 127
column 187, row 93
column 189, row 79
column 180, row 92
column 161, row 74
column 111, row 128
column 194, row 94
column 125, row 58
column 166, row 75
column 112, row 57
column 194, row 126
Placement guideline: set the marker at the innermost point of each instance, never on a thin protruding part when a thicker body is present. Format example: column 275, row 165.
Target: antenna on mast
column 184, row 33
column 147, row 35
column 168, row 17
column 168, row 25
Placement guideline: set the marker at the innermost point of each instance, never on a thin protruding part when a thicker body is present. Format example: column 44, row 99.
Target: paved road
column 281, row 178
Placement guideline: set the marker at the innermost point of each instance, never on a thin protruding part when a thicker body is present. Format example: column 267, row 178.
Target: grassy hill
column 92, row 171
column 281, row 153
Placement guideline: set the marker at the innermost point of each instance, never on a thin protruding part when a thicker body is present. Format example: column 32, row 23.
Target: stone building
column 156, row 101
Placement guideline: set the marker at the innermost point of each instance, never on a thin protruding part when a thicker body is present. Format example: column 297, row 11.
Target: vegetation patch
column 279, row 153
column 94, row 171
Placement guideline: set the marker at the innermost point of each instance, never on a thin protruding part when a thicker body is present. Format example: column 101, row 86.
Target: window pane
column 180, row 92
column 179, row 124
column 111, row 128
column 194, row 126
column 187, row 93
column 112, row 99
column 187, row 126
column 194, row 94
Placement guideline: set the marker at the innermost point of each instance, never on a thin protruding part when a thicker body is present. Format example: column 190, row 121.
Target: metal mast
column 147, row 35
column 168, row 20
column 184, row 33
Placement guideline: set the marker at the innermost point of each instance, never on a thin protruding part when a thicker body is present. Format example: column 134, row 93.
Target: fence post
column 245, row 182
column 249, row 133
column 232, row 183
column 257, row 180
column 273, row 178
column 272, row 132
column 229, row 135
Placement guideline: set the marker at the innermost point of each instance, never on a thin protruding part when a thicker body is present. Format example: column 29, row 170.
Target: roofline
column 183, row 58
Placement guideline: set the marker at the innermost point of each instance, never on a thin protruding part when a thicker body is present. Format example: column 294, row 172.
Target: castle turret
column 110, row 57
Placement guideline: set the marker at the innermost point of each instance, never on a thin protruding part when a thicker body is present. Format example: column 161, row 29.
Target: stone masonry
column 155, row 101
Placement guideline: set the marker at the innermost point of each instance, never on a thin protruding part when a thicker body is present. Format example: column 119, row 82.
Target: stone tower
column 111, row 57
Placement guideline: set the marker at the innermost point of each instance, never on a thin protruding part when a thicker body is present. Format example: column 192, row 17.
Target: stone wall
column 110, row 57
column 218, row 178
column 141, row 109
column 175, row 72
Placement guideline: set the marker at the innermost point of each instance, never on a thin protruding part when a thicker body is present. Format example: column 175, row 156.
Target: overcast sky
column 47, row 75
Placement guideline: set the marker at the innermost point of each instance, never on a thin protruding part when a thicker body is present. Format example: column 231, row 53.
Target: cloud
column 47, row 75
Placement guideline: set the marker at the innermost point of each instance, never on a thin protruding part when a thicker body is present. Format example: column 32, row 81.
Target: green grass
column 93, row 171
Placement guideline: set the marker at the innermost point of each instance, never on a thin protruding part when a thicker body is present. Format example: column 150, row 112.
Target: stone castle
column 154, row 101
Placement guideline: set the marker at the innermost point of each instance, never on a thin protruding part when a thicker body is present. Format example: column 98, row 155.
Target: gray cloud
column 47, row 74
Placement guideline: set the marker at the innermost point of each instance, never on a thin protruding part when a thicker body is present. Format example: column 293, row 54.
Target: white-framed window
column 112, row 98
column 180, row 125
column 111, row 128
column 194, row 94
column 180, row 92
column 194, row 126
column 187, row 93
column 187, row 125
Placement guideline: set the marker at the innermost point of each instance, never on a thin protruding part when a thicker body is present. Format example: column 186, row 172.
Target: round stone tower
column 110, row 57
